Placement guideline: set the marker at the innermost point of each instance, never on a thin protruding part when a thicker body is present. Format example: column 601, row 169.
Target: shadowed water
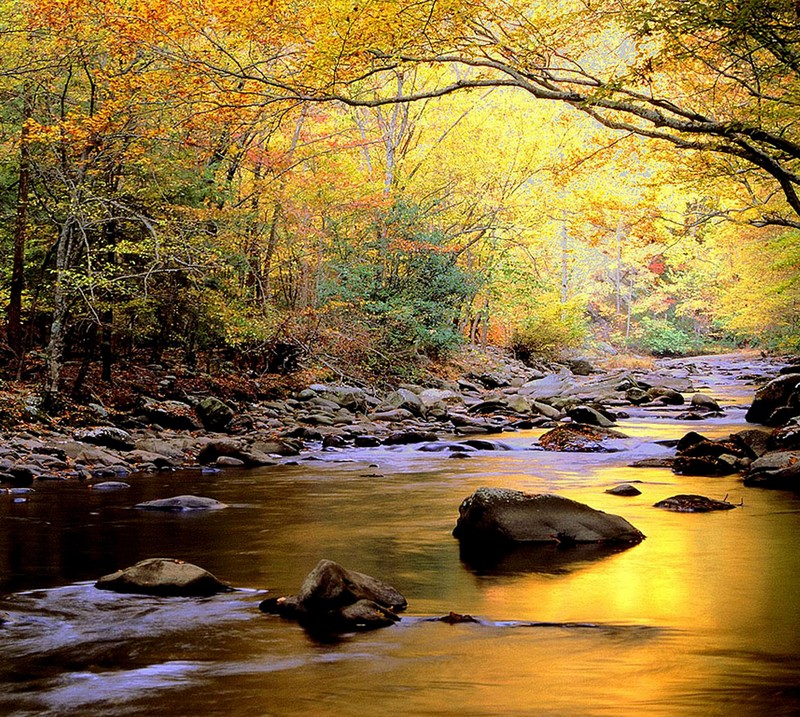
column 702, row 618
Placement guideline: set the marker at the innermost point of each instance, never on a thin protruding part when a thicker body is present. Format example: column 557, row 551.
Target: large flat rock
column 165, row 577
column 503, row 516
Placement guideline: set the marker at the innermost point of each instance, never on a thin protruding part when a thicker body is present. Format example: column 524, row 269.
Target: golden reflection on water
column 700, row 618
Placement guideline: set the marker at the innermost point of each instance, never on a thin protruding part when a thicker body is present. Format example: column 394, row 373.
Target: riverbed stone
column 705, row 402
column 704, row 465
column 110, row 485
column 334, row 599
column 404, row 399
column 158, row 460
column 501, row 516
column 579, row 438
column 785, row 438
column 108, row 437
column 546, row 410
column 404, row 438
column 229, row 462
column 172, row 448
column 665, row 395
column 776, row 401
column 693, row 504
column 180, row 503
column 756, row 440
column 163, row 577
column 590, row 416
column 392, row 416
column 636, row 395
column 661, row 462
column 329, row 585
column 779, row 470
column 624, row 489
column 214, row 414
column 175, row 415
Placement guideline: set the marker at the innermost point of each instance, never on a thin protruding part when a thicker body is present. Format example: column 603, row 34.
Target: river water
column 702, row 618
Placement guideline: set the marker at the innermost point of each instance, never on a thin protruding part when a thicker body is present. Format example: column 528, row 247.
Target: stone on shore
column 214, row 414
column 108, row 437
column 501, row 516
column 163, row 577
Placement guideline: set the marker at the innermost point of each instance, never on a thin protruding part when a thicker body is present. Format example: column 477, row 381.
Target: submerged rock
column 455, row 618
column 652, row 463
column 164, row 577
column 506, row 517
column 693, row 504
column 334, row 599
column 110, row 485
column 182, row 503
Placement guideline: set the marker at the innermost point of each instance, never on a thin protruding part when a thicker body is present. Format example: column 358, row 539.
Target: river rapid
column 702, row 618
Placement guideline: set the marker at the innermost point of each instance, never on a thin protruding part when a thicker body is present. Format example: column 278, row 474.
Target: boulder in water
column 579, row 438
column 667, row 396
column 779, row 470
column 502, row 516
column 334, row 599
column 624, row 489
column 164, row 577
column 180, row 503
column 693, row 504
column 706, row 403
column 777, row 400
column 590, row 416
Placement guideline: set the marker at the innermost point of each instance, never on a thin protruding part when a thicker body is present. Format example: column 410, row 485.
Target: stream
column 702, row 618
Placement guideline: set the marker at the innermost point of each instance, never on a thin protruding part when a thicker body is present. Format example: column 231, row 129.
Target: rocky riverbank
column 170, row 427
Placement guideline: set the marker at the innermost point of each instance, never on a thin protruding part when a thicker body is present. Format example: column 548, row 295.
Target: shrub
column 550, row 329
column 665, row 337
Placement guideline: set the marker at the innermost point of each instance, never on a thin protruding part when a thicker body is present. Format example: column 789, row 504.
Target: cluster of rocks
column 335, row 600
column 166, row 433
column 767, row 458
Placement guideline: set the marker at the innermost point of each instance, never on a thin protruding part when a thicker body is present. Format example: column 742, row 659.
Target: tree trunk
column 107, row 316
column 564, row 261
column 14, row 312
column 54, row 353
column 618, row 273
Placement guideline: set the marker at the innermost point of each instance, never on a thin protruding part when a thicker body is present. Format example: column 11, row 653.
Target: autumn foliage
column 250, row 185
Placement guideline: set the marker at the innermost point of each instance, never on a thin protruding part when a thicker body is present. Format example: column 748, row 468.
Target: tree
column 713, row 76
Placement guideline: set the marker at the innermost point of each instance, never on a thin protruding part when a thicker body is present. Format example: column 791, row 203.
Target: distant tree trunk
column 14, row 312
column 272, row 243
column 564, row 261
column 54, row 353
column 618, row 273
column 107, row 315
